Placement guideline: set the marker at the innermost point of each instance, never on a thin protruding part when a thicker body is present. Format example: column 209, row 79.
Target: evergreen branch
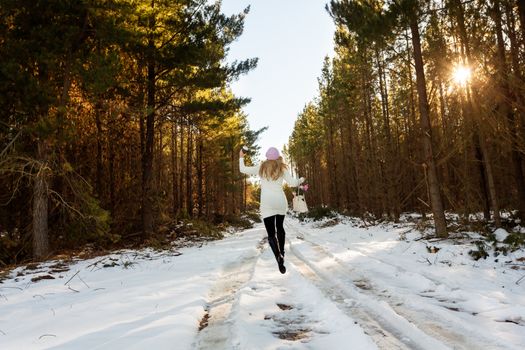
column 4, row 151
column 65, row 203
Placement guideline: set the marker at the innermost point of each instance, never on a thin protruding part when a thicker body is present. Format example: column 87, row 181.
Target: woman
column 273, row 200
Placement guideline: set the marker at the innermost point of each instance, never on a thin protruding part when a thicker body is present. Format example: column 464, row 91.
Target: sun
column 461, row 75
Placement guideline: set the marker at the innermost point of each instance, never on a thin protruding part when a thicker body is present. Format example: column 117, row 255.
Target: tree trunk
column 200, row 179
column 411, row 129
column 332, row 166
column 99, row 174
column 111, row 161
column 389, row 154
column 40, row 203
column 521, row 10
column 424, row 110
column 189, row 194
column 147, row 155
column 174, row 182
column 503, row 74
column 517, row 70
column 490, row 182
column 160, row 156
column 482, row 158
column 180, row 195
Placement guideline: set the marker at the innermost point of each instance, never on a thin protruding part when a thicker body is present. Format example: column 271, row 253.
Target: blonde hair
column 272, row 169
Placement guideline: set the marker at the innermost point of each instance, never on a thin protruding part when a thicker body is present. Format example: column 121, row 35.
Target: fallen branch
column 426, row 260
column 521, row 278
column 424, row 237
column 422, row 201
column 12, row 288
column 96, row 262
column 84, row 282
column 69, row 280
column 407, row 248
column 47, row 335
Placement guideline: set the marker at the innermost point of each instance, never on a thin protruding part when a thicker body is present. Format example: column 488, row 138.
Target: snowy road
column 347, row 287
column 393, row 320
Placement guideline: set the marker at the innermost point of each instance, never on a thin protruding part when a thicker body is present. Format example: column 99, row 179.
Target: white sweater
column 273, row 199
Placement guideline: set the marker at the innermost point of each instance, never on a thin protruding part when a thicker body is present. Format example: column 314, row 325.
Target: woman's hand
column 241, row 153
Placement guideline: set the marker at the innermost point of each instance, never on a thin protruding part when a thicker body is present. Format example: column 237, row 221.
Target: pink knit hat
column 272, row 154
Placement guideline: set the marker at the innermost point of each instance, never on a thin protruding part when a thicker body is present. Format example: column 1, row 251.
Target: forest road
column 215, row 326
column 387, row 318
column 390, row 320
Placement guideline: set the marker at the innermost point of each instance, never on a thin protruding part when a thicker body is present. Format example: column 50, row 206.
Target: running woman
column 273, row 204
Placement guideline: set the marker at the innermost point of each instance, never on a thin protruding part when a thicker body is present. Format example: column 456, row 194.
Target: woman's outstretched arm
column 248, row 170
column 292, row 181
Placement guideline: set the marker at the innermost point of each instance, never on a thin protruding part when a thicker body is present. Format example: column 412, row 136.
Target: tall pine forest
column 116, row 119
column 421, row 109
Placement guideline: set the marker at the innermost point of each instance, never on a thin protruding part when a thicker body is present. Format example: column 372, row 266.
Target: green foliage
column 75, row 77
column 514, row 241
column 318, row 214
column 481, row 252
column 12, row 248
column 83, row 220
column 253, row 216
column 238, row 222
column 202, row 228
column 367, row 18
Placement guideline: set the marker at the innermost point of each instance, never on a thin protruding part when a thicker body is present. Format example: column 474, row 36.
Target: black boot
column 280, row 262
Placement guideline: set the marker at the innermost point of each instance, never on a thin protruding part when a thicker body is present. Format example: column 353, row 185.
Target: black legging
column 276, row 243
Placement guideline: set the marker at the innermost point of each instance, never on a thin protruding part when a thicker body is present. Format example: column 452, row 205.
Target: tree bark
column 99, row 174
column 189, row 187
column 147, row 155
column 503, row 74
column 332, row 166
column 181, row 168
column 174, row 182
column 521, row 10
column 518, row 81
column 424, row 110
column 200, row 179
column 481, row 155
column 40, row 203
column 388, row 178
column 111, row 165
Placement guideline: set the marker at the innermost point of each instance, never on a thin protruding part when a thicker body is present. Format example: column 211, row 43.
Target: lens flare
column 461, row 75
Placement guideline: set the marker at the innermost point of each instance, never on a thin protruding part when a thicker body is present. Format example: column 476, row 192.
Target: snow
column 348, row 285
column 501, row 234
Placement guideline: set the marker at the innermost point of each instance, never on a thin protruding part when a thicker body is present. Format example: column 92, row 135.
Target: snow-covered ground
column 347, row 287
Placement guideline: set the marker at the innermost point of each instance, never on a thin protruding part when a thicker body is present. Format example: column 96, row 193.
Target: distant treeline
column 421, row 109
column 115, row 117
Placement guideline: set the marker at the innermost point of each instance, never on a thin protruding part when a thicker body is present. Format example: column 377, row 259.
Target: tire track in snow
column 382, row 337
column 435, row 323
column 215, row 326
column 388, row 329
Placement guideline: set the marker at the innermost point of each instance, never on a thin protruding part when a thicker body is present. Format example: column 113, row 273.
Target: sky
column 291, row 39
